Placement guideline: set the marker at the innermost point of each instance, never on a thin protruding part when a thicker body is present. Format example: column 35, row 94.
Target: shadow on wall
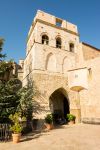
column 38, row 100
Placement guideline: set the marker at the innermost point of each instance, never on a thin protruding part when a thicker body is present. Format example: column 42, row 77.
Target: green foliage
column 25, row 106
column 16, row 128
column 70, row 117
column 5, row 68
column 1, row 45
column 13, row 98
column 16, row 120
column 9, row 98
column 49, row 118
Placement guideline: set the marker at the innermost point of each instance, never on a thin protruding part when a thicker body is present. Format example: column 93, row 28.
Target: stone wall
column 90, row 99
column 89, row 52
column 46, row 84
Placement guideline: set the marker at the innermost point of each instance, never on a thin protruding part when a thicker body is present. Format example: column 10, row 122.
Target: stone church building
column 65, row 71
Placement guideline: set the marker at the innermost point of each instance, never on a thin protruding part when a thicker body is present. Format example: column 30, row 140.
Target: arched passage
column 59, row 103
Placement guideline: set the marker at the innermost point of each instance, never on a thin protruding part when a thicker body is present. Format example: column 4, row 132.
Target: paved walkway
column 73, row 137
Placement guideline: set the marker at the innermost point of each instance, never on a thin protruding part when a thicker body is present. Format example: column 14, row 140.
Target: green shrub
column 49, row 118
column 16, row 126
column 70, row 117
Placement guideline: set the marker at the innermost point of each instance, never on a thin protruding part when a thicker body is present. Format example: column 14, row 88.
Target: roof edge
column 91, row 46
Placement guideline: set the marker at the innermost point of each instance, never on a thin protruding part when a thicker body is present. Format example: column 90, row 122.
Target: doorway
column 59, row 105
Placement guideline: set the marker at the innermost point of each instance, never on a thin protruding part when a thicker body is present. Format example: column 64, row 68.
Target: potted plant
column 16, row 126
column 49, row 121
column 71, row 118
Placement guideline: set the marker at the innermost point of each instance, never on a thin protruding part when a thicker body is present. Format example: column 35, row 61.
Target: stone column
column 76, row 108
column 77, row 113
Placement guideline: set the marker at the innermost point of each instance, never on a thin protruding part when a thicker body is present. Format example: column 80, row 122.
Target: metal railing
column 5, row 133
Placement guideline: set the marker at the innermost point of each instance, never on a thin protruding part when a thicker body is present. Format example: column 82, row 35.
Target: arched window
column 71, row 47
column 45, row 39
column 66, row 64
column 51, row 62
column 58, row 42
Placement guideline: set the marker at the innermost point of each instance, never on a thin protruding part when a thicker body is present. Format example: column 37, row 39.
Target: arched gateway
column 59, row 103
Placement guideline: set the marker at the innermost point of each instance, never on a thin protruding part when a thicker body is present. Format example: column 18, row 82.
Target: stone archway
column 59, row 103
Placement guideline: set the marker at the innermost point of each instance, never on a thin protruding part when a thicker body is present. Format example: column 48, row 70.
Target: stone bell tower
column 52, row 50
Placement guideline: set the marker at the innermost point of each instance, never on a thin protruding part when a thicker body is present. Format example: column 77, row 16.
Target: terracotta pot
column 49, row 126
column 16, row 137
column 71, row 122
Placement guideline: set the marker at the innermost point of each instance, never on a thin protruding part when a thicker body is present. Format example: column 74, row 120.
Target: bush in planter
column 16, row 126
column 49, row 121
column 70, row 118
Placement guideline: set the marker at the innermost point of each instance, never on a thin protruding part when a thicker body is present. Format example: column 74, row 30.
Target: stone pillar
column 64, row 24
column 77, row 113
column 76, row 108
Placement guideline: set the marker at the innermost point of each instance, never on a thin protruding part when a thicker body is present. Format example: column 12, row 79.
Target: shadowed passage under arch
column 59, row 104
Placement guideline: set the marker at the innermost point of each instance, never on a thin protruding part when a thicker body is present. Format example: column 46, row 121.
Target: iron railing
column 5, row 133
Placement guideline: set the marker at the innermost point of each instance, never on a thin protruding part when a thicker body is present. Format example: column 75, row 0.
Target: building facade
column 64, row 70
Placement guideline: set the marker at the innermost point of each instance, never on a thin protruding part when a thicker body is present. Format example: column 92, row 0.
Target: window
column 71, row 47
column 51, row 63
column 58, row 22
column 89, row 73
column 45, row 39
column 58, row 42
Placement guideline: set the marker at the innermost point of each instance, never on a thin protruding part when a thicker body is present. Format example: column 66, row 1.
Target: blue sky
column 16, row 17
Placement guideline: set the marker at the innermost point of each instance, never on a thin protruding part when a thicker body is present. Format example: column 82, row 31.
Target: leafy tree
column 1, row 45
column 25, row 106
column 5, row 67
column 9, row 98
column 13, row 98
column 5, row 70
